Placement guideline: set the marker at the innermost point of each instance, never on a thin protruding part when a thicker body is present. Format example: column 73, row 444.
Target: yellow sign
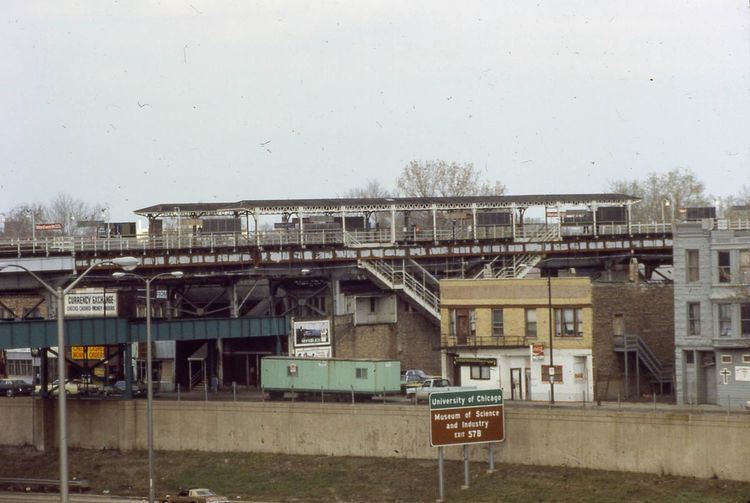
column 99, row 371
column 87, row 352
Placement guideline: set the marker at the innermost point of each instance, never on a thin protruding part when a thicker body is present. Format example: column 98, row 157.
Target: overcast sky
column 137, row 103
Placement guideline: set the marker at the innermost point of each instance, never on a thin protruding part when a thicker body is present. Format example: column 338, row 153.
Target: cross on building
column 725, row 375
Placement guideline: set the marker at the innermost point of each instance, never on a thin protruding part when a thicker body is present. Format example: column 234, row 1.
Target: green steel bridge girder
column 102, row 331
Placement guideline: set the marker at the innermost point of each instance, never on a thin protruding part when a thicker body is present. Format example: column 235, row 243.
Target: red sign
column 48, row 227
column 537, row 350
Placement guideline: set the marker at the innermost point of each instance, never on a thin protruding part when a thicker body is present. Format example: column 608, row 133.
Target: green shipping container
column 331, row 375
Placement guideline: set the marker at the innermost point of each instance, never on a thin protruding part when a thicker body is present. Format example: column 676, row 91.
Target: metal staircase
column 660, row 374
column 422, row 291
column 501, row 267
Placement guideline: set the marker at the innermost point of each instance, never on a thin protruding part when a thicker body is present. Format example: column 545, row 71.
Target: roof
column 281, row 206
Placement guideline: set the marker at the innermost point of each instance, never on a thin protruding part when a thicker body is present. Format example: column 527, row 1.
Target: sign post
column 462, row 418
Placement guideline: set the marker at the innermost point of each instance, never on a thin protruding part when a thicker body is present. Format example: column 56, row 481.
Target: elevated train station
column 371, row 266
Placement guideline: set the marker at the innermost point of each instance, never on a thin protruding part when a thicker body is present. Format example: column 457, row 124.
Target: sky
column 130, row 104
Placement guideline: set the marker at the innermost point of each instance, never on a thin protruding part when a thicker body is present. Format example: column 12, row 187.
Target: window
column 361, row 373
column 692, row 267
column 569, row 322
column 480, row 372
column 725, row 272
column 694, row 318
column 745, row 358
column 745, row 266
column 373, row 304
column 19, row 367
column 689, row 357
column 725, row 320
column 558, row 373
column 727, row 359
column 618, row 325
column 745, row 320
column 530, row 323
column 498, row 328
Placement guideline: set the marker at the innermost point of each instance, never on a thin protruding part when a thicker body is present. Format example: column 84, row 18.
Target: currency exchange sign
column 466, row 417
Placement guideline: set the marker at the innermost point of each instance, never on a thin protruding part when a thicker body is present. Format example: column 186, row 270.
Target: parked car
column 196, row 495
column 14, row 387
column 432, row 385
column 72, row 387
column 413, row 379
column 118, row 388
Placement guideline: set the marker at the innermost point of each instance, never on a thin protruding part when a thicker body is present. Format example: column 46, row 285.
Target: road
column 19, row 497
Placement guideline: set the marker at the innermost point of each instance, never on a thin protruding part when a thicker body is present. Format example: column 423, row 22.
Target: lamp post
column 126, row 263
column 30, row 212
column 667, row 203
column 551, row 371
column 149, row 372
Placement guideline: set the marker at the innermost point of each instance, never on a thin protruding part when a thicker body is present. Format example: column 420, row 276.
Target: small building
column 712, row 311
column 496, row 334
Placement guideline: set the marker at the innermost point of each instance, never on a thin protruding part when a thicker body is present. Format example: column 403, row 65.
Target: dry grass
column 271, row 477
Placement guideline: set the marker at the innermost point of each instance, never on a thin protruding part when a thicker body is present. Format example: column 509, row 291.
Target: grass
column 270, row 477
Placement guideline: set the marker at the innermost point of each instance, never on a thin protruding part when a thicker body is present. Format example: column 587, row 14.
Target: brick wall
column 413, row 340
column 647, row 310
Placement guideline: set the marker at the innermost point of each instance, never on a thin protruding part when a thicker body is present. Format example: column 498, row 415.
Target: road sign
column 48, row 227
column 466, row 417
column 87, row 352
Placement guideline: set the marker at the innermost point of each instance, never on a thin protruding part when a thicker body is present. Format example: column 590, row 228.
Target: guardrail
column 530, row 232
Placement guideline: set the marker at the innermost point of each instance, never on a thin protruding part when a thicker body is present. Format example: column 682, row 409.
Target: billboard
column 311, row 333
column 93, row 302
column 311, row 339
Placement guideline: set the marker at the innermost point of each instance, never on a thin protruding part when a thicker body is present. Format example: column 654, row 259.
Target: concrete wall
column 679, row 443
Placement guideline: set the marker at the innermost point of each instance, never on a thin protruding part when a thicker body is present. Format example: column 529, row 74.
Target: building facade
column 496, row 334
column 712, row 312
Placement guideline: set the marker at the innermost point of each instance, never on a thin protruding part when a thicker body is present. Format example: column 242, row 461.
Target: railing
column 502, row 341
column 645, row 354
column 196, row 378
column 398, row 278
column 280, row 238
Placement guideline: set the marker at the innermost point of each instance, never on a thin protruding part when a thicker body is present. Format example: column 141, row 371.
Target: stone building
column 712, row 311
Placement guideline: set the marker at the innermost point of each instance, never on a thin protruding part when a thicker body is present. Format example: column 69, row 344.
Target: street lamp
column 667, row 203
column 30, row 211
column 126, row 263
column 149, row 372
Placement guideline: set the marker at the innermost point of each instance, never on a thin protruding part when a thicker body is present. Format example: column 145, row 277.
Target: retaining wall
column 675, row 443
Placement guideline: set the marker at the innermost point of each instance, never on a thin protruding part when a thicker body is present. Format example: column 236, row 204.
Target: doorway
column 527, row 382
column 516, row 392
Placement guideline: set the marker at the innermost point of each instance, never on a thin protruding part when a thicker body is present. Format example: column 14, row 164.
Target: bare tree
column 441, row 178
column 371, row 189
column 19, row 221
column 663, row 194
column 68, row 211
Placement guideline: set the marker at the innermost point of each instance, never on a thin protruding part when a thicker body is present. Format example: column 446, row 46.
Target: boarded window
column 745, row 320
column 558, row 373
column 725, row 320
column 692, row 266
column 745, row 267
column 694, row 318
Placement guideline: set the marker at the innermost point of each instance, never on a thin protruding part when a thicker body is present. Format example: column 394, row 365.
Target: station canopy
column 338, row 205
